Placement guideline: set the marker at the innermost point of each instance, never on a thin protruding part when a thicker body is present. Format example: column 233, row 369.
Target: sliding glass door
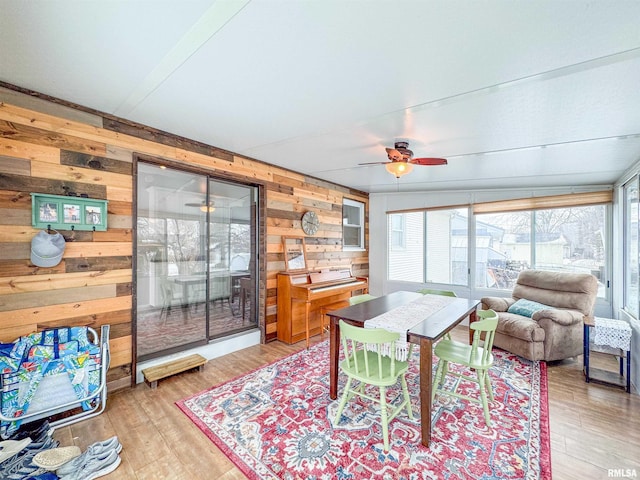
column 196, row 243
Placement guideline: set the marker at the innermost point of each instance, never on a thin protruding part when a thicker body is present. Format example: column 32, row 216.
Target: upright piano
column 302, row 295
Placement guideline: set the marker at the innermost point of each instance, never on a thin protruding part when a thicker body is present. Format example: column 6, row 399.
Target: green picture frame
column 60, row 212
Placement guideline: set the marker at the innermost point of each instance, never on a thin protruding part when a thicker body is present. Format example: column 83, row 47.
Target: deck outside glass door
column 195, row 275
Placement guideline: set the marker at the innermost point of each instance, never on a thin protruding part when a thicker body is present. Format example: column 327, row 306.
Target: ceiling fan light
column 398, row 169
column 207, row 208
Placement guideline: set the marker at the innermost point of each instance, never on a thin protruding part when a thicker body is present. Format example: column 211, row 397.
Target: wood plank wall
column 55, row 148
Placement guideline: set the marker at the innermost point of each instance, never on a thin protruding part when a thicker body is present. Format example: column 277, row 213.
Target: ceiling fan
column 401, row 160
column 203, row 206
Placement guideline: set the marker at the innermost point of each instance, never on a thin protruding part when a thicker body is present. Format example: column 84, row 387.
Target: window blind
column 537, row 203
column 427, row 209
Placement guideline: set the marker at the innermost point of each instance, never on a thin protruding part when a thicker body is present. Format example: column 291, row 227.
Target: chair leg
column 445, row 372
column 407, row 398
column 489, row 386
column 343, row 400
column 384, row 418
column 483, row 396
column 438, row 380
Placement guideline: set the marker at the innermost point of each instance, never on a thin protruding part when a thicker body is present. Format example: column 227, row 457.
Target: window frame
column 348, row 202
column 534, row 245
column 432, row 229
column 535, row 204
column 627, row 273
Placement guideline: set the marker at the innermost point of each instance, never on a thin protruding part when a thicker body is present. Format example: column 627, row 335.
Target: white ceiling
column 512, row 93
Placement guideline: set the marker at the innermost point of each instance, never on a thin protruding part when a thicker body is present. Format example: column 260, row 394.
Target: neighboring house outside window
column 398, row 237
column 556, row 239
column 435, row 248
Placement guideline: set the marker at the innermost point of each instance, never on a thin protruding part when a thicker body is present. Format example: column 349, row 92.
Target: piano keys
column 301, row 295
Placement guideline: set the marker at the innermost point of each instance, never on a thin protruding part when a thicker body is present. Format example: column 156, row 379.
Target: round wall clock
column 310, row 223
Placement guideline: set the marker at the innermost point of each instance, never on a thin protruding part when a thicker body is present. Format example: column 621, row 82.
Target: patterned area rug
column 277, row 423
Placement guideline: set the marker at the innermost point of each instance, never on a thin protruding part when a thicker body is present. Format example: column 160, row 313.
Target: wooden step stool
column 153, row 374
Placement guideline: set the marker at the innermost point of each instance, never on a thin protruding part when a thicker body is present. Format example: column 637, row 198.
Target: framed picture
column 93, row 215
column 60, row 212
column 71, row 213
column 48, row 212
column 295, row 253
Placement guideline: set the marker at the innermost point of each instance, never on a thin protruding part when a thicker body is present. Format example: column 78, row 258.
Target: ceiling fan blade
column 374, row 163
column 394, row 155
column 428, row 161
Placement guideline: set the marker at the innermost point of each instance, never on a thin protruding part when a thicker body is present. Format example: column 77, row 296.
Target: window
column 631, row 270
column 435, row 248
column 352, row 225
column 558, row 239
column 446, row 233
column 503, row 248
column 564, row 233
column 406, row 263
column 397, row 228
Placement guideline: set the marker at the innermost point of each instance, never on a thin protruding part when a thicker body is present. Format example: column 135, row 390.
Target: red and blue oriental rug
column 277, row 423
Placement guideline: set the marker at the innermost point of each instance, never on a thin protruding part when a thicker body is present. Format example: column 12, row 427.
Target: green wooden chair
column 474, row 356
column 354, row 300
column 365, row 297
column 445, row 293
column 370, row 367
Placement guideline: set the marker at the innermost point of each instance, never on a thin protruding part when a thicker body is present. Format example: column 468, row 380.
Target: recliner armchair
column 553, row 330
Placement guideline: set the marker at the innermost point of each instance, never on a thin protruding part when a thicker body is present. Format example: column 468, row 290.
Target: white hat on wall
column 47, row 249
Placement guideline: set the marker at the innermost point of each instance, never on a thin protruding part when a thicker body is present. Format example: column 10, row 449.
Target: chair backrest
column 486, row 325
column 239, row 262
column 576, row 291
column 431, row 291
column 357, row 341
column 166, row 291
column 219, row 287
column 365, row 297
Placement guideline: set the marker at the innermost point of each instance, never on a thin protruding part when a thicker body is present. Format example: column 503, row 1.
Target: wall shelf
column 59, row 212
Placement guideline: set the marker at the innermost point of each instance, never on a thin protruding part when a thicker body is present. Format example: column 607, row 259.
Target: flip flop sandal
column 8, row 448
column 54, row 458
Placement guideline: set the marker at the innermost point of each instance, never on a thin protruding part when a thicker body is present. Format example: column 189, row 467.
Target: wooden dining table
column 432, row 328
column 198, row 281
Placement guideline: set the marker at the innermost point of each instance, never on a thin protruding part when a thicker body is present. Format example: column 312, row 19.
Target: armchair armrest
column 498, row 304
column 562, row 317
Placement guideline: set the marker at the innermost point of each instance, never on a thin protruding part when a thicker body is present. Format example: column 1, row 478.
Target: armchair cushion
column 527, row 308
column 523, row 328
column 562, row 317
column 497, row 304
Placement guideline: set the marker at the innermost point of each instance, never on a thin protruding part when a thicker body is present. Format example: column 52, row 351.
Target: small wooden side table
column 588, row 346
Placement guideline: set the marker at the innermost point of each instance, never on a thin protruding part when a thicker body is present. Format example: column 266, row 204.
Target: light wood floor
column 593, row 427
